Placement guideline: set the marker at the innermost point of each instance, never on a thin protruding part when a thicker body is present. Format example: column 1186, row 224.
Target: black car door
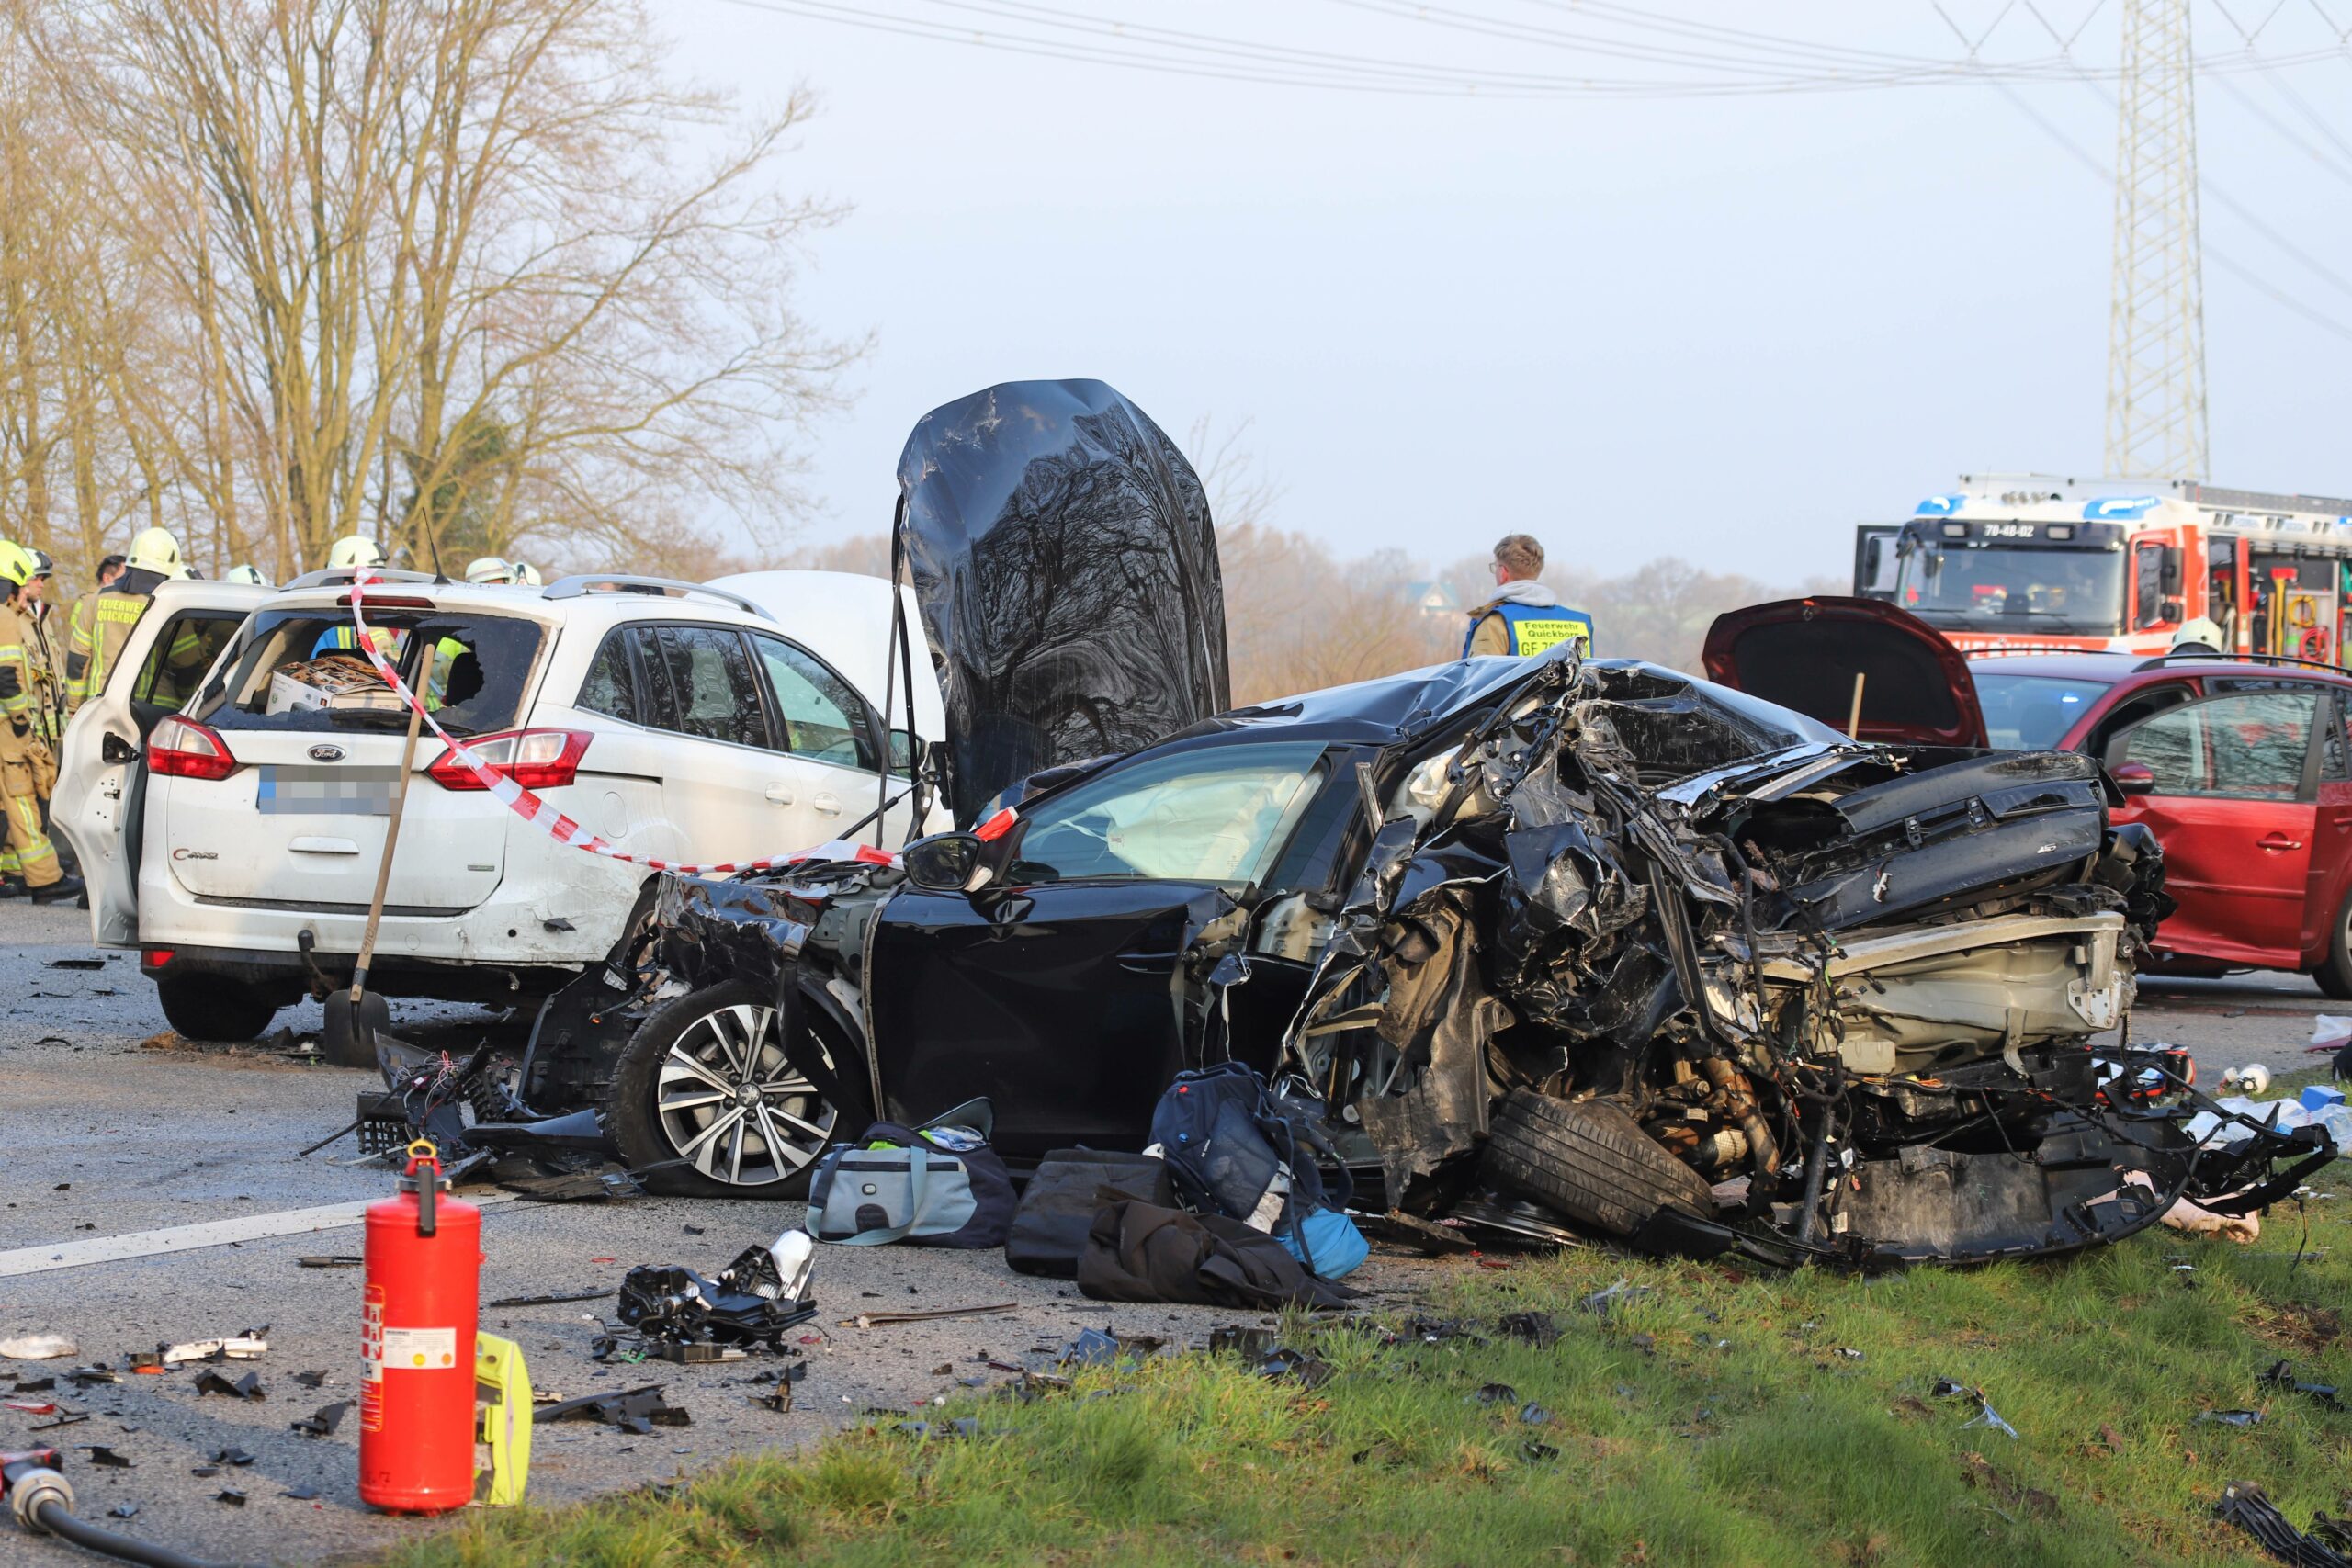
column 1068, row 990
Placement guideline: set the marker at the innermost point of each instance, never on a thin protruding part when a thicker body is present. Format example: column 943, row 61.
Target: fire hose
column 42, row 1501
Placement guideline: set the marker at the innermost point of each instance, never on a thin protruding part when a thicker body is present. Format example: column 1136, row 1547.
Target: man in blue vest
column 1525, row 618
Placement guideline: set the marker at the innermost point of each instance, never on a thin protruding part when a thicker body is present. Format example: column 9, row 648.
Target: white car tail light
column 535, row 759
column 183, row 749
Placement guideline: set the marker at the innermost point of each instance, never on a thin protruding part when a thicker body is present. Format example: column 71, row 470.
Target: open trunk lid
column 1067, row 565
column 1806, row 654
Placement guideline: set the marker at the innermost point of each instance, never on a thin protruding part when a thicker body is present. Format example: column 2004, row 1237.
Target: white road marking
column 187, row 1239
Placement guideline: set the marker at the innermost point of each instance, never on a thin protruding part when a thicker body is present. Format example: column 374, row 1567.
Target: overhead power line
column 1707, row 61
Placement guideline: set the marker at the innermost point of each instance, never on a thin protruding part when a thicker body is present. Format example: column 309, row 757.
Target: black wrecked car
column 1570, row 949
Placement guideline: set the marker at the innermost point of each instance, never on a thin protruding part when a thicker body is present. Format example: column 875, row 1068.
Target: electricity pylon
column 2155, row 345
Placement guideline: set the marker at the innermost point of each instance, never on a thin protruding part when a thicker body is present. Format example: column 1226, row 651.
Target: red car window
column 2250, row 745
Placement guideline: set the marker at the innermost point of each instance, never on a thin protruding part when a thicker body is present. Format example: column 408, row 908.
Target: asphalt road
column 101, row 1137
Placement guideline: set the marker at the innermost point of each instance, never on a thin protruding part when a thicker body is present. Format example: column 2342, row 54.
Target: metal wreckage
column 1569, row 949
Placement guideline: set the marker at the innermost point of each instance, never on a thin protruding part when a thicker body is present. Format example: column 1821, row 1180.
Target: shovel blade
column 349, row 1038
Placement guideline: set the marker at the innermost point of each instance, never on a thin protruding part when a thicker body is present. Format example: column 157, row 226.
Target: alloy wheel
column 730, row 1104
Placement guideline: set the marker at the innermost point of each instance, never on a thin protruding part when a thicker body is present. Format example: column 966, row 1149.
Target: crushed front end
column 1630, row 964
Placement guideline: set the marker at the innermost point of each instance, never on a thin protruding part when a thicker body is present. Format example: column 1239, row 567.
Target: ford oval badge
column 327, row 753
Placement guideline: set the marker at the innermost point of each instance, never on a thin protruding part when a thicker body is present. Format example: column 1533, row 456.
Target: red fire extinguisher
column 416, row 1402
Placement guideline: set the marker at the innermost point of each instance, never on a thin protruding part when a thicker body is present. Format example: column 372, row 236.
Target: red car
column 2242, row 767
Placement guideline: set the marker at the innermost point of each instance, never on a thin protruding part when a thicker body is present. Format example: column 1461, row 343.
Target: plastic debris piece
column 205, row 1472
column 1987, row 1417
column 230, row 1495
column 323, row 1421
column 123, row 1511
column 2230, row 1417
column 1232, row 1337
column 1534, row 1415
column 30, row 1407
column 1603, row 1303
column 1535, row 1328
column 312, row 1380
column 233, row 1456
column 1092, row 1348
column 246, row 1387
column 1307, row 1372
column 1495, row 1393
column 1847, row 1353
column 86, row 1377
column 105, row 1457
column 301, row 1493
column 2282, row 1375
column 1541, row 1453
column 38, row 1348
column 2244, row 1505
column 552, row 1299
column 35, row 1385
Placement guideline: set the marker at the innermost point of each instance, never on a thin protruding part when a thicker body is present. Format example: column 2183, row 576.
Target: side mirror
column 2169, row 572
column 2174, row 612
column 944, row 863
column 2134, row 778
column 115, row 748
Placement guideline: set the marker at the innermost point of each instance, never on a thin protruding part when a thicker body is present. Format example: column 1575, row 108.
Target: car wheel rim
column 732, row 1106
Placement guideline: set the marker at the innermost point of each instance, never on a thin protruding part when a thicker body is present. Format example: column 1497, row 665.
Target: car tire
column 676, row 1095
column 2335, row 971
column 214, row 1008
column 1589, row 1160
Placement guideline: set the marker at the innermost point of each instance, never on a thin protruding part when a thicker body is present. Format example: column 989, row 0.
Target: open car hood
column 1063, row 552
column 1805, row 654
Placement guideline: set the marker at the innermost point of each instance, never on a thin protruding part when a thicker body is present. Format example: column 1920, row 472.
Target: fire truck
column 2012, row 560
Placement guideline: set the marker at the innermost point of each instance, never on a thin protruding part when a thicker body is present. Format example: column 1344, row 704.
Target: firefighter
column 28, row 859
column 490, row 572
column 246, row 573
column 1524, row 617
column 47, row 624
column 353, row 550
column 104, row 617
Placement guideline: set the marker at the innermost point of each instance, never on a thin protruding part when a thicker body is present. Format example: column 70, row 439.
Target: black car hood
column 1806, row 654
column 1062, row 551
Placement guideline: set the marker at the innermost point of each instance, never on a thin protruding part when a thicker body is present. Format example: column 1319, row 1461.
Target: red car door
column 2230, row 790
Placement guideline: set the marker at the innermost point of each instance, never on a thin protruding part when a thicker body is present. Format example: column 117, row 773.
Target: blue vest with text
column 1537, row 629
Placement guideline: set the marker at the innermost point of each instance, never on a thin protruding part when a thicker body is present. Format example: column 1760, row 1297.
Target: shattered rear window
column 1218, row 814
column 300, row 670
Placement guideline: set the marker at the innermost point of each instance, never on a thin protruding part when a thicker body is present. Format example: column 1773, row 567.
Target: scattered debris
column 323, row 1421
column 123, row 1511
column 636, row 1410
column 2244, row 1505
column 301, row 1494
column 331, row 1260
column 555, row 1298
column 77, row 963
column 246, row 1387
column 1603, row 1303
column 312, row 1380
column 1307, row 1372
column 1947, row 1388
column 230, row 1495
column 38, row 1348
column 1535, row 1328
column 759, row 1295
column 250, row 1345
column 105, row 1457
column 2281, row 1374
column 1541, row 1453
column 2230, row 1417
column 233, row 1456
column 1092, row 1348
column 882, row 1319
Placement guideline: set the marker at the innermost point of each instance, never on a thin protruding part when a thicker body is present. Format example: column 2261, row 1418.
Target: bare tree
column 439, row 271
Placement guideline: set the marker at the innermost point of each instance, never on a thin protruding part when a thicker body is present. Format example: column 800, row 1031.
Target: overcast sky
column 1723, row 328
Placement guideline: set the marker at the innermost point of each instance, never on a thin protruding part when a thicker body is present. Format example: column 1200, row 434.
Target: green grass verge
column 1710, row 1421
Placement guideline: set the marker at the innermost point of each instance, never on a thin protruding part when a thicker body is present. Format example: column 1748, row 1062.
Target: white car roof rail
column 663, row 587
column 341, row 576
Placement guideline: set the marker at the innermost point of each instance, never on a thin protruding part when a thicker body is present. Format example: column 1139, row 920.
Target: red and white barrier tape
column 554, row 823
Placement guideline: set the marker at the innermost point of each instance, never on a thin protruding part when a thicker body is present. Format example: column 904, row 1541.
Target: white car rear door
column 827, row 729
column 698, row 703
column 100, row 799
